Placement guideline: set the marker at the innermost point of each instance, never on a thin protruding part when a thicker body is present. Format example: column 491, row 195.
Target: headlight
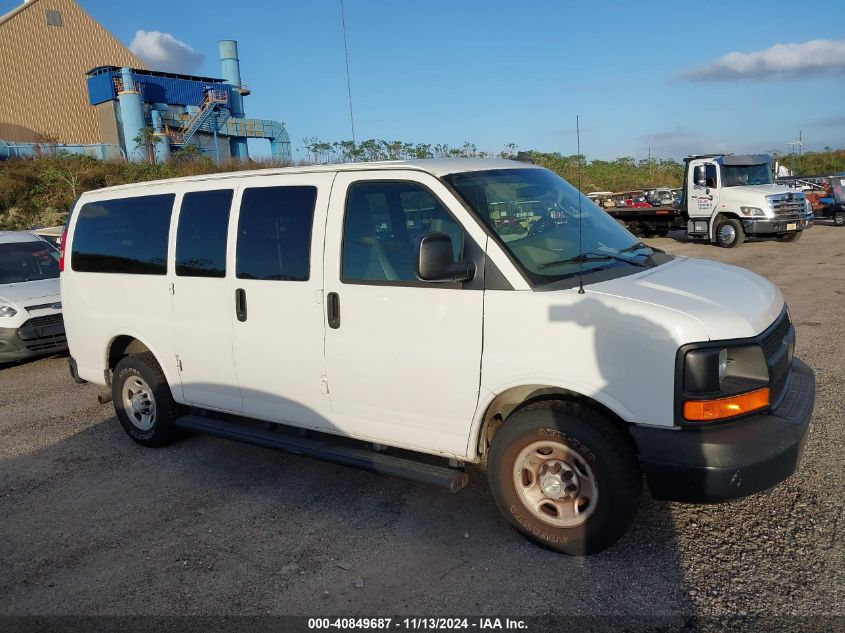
column 752, row 211
column 7, row 311
column 723, row 364
column 722, row 382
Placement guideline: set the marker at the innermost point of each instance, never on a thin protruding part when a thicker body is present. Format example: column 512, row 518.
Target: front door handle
column 240, row 304
column 333, row 310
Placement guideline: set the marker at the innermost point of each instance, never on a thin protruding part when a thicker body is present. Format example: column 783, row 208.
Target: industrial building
column 100, row 97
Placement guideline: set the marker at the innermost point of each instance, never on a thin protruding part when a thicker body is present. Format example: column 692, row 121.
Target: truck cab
column 729, row 197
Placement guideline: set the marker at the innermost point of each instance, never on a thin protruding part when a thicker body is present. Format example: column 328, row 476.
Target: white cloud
column 780, row 61
column 162, row 51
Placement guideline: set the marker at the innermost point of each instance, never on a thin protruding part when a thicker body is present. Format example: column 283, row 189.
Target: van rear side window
column 124, row 235
column 274, row 233
column 201, row 238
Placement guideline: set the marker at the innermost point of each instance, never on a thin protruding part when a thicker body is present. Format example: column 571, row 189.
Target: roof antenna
column 348, row 82
column 580, row 216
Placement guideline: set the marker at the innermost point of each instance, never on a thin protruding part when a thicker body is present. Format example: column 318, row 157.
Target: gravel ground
column 91, row 523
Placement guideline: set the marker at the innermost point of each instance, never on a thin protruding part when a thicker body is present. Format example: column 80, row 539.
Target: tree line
column 39, row 192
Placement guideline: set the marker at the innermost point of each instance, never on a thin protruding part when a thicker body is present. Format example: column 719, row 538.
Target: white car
column 30, row 302
column 475, row 310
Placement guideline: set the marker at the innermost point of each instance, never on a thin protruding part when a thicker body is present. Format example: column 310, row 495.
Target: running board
column 449, row 478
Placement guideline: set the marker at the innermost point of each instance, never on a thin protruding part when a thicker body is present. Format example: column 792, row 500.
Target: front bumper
column 733, row 460
column 36, row 337
column 775, row 227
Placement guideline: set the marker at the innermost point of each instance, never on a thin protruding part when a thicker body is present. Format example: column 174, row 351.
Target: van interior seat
column 363, row 255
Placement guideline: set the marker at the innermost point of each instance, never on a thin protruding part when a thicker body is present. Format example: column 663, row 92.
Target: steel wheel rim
column 839, row 219
column 727, row 233
column 555, row 484
column 139, row 403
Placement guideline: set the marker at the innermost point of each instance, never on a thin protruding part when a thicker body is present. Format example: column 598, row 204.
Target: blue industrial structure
column 184, row 110
column 177, row 110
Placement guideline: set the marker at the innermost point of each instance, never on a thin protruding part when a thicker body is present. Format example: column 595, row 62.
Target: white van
column 480, row 311
column 30, row 304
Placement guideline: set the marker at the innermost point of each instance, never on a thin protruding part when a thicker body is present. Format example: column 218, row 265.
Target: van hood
column 729, row 302
column 25, row 292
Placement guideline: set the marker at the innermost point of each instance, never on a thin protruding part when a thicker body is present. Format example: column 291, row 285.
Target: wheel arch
column 122, row 345
column 714, row 222
column 501, row 406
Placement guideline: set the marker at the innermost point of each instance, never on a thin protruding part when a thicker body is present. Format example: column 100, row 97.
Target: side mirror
column 435, row 262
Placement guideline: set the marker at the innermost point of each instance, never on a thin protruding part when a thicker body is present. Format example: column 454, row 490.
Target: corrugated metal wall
column 154, row 88
column 43, row 91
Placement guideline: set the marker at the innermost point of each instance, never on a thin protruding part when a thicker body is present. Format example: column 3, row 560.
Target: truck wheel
column 839, row 219
column 565, row 477
column 143, row 401
column 729, row 233
column 790, row 237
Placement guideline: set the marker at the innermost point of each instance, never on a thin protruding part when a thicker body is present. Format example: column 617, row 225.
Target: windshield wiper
column 591, row 257
column 639, row 245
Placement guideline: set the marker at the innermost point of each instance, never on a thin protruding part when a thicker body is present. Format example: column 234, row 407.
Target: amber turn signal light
column 708, row 410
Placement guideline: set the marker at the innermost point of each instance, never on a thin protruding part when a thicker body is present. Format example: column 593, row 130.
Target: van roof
column 13, row 237
column 435, row 166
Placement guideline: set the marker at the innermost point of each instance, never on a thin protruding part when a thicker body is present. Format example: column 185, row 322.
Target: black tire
column 586, row 436
column 839, row 218
column 790, row 237
column 662, row 232
column 162, row 430
column 738, row 233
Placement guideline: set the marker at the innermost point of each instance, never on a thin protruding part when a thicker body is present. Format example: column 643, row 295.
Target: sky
column 665, row 78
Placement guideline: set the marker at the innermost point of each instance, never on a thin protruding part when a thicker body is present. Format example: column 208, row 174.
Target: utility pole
column 348, row 82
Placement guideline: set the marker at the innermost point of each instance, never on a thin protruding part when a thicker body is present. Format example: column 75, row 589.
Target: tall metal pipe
column 162, row 145
column 131, row 115
column 231, row 71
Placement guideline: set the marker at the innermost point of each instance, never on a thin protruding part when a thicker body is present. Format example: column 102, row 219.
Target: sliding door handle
column 333, row 310
column 240, row 304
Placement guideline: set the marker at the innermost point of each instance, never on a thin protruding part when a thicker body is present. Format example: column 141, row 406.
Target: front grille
column 43, row 334
column 773, row 337
column 50, row 319
column 786, row 209
column 43, row 306
column 778, row 344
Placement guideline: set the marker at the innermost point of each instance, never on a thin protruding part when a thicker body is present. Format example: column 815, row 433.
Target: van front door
column 202, row 326
column 275, row 301
column 402, row 356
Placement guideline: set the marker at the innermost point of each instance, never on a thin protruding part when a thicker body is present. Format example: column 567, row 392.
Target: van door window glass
column 124, row 235
column 274, row 233
column 201, row 237
column 381, row 227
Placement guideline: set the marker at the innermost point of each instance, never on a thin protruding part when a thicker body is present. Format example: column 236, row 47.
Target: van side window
column 382, row 224
column 202, row 233
column 274, row 233
column 124, row 235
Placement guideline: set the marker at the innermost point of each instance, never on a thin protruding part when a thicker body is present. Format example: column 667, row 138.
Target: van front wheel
column 143, row 401
column 565, row 477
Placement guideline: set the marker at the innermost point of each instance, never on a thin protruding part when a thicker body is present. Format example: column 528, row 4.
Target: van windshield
column 535, row 215
column 28, row 261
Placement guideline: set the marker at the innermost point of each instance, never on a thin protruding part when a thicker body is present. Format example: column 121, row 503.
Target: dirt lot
column 91, row 523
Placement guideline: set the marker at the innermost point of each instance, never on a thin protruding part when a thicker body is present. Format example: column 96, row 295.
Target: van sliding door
column 275, row 298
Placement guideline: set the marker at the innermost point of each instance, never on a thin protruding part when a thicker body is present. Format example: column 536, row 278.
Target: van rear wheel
column 565, row 477
column 143, row 401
